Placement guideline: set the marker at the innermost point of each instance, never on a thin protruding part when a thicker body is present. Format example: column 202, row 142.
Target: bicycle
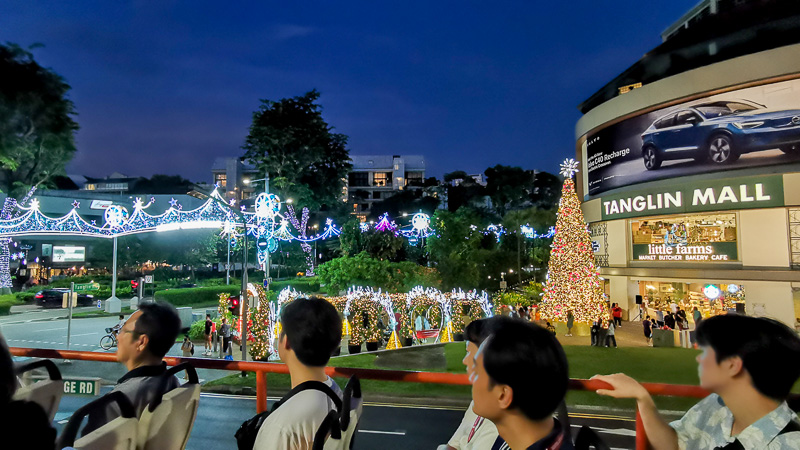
column 108, row 341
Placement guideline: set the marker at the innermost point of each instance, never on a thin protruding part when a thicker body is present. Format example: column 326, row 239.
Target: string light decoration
column 401, row 306
column 394, row 342
column 19, row 220
column 447, row 334
column 364, row 313
column 384, row 224
column 426, row 303
column 222, row 307
column 573, row 281
column 262, row 330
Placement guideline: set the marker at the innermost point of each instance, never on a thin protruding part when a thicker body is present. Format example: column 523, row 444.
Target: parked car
column 52, row 298
column 720, row 132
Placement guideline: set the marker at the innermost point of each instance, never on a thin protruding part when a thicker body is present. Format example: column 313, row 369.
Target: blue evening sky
column 166, row 86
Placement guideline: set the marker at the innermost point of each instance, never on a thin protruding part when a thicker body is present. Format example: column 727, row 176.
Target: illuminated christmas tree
column 573, row 282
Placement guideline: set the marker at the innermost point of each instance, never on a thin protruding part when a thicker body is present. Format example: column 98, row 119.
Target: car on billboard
column 720, row 132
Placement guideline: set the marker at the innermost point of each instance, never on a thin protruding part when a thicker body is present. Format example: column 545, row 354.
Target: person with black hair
column 143, row 341
column 749, row 364
column 520, row 379
column 475, row 432
column 23, row 424
column 311, row 331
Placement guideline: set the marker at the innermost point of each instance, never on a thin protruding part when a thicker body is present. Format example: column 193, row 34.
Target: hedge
column 6, row 302
column 195, row 296
column 305, row 285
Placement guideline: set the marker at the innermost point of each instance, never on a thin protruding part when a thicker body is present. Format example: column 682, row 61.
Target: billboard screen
column 68, row 254
column 749, row 127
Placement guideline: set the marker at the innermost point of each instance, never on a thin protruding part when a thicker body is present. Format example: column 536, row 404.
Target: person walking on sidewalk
column 225, row 331
column 208, row 326
column 570, row 322
column 697, row 316
column 648, row 330
column 610, row 334
column 616, row 311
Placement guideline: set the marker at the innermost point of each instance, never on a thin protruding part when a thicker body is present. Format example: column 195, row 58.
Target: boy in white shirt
column 311, row 332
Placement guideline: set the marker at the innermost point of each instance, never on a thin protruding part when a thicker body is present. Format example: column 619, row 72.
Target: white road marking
column 84, row 334
column 396, row 433
column 51, row 329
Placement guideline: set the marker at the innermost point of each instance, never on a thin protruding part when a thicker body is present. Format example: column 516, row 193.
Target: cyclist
column 115, row 329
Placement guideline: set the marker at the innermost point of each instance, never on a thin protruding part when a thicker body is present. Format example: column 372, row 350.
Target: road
column 384, row 426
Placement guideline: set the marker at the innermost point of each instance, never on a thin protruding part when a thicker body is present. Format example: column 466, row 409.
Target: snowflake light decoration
column 569, row 167
column 76, row 204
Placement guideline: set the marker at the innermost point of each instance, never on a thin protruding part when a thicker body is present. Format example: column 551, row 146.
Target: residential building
column 117, row 183
column 230, row 175
column 377, row 177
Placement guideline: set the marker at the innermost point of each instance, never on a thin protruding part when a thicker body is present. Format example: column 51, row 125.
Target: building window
column 382, row 179
column 414, row 179
column 698, row 238
column 90, row 187
column 221, row 179
column 358, row 179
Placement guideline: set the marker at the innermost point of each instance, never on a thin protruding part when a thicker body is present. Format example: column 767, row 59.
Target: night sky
column 166, row 86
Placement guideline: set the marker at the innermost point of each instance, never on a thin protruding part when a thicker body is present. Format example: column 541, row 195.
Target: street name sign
column 82, row 386
column 85, row 287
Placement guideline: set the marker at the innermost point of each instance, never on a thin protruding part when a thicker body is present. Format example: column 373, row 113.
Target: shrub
column 340, row 273
column 6, row 302
column 195, row 296
column 197, row 332
column 308, row 285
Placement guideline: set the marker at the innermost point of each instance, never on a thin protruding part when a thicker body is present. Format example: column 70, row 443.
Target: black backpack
column 246, row 434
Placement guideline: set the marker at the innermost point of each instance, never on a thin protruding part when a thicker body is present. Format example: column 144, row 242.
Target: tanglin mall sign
column 712, row 195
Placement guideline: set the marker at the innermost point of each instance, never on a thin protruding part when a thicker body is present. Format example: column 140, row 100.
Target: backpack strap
column 311, row 385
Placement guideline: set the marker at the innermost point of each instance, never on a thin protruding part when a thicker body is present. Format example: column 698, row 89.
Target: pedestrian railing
column 261, row 370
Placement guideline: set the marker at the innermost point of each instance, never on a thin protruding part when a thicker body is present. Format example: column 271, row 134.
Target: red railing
column 262, row 368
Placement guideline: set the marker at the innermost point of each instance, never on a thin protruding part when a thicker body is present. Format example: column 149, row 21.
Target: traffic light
column 234, row 305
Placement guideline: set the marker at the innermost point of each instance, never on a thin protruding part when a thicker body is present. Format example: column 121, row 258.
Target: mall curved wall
column 687, row 223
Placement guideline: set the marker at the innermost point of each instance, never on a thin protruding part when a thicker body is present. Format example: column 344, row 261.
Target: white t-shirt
column 483, row 436
column 292, row 426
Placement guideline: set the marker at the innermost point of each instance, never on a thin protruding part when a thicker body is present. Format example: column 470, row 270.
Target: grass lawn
column 663, row 365
column 100, row 313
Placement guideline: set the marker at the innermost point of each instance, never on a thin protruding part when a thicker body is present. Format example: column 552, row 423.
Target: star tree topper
column 569, row 167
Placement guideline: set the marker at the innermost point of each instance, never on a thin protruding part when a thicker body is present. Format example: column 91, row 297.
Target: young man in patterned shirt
column 750, row 365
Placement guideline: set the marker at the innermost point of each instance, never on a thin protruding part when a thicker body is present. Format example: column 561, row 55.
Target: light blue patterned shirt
column 708, row 425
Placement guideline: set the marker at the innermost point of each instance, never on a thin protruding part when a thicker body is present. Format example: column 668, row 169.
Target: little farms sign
column 712, row 195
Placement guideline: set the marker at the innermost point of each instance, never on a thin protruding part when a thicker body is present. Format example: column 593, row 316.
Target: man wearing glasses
column 141, row 345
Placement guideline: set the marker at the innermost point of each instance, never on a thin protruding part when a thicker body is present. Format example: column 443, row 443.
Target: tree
column 291, row 142
column 509, row 187
column 381, row 245
column 456, row 175
column 545, row 190
column 406, row 201
column 36, row 126
column 573, row 280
